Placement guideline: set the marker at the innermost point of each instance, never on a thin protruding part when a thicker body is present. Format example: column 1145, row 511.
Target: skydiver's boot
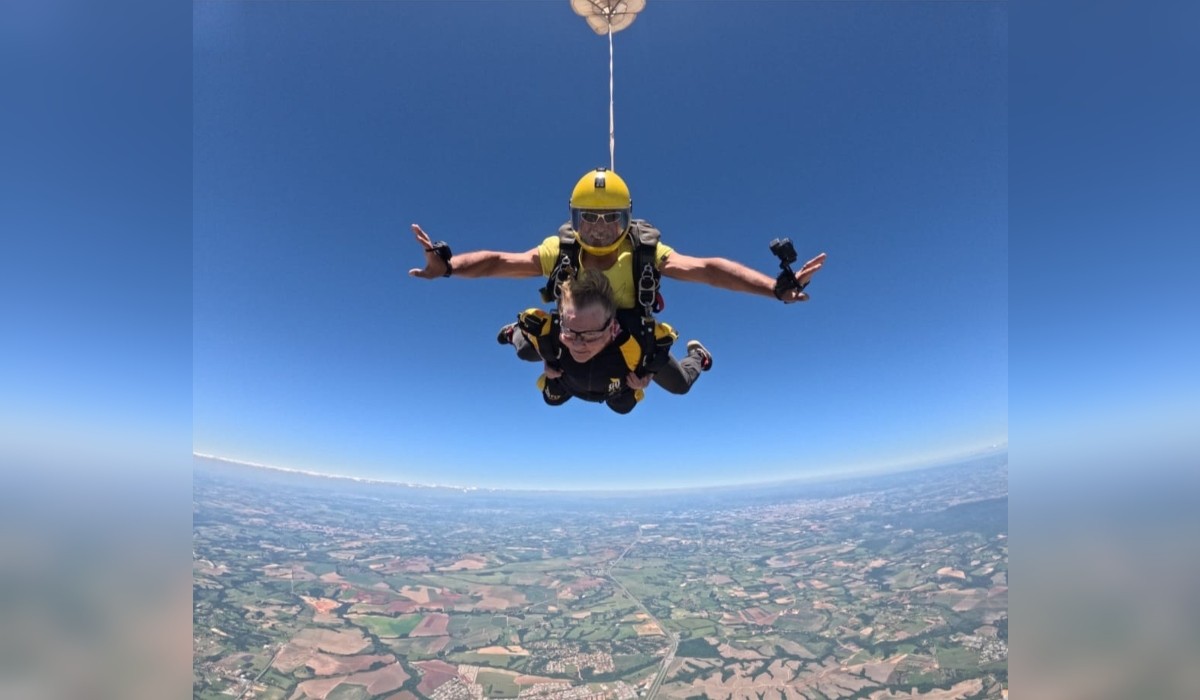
column 697, row 349
column 512, row 335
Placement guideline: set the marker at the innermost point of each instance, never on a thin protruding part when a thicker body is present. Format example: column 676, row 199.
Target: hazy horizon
column 830, row 476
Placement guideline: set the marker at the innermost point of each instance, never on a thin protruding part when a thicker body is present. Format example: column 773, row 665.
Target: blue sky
column 875, row 132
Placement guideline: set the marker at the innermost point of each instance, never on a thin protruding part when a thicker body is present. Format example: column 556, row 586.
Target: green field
column 539, row 567
column 958, row 658
column 497, row 685
column 317, row 568
column 382, row 626
column 695, row 627
column 513, row 663
column 414, row 649
column 698, row 648
column 473, row 631
column 348, row 691
column 591, row 632
column 625, row 663
column 905, row 579
column 618, row 604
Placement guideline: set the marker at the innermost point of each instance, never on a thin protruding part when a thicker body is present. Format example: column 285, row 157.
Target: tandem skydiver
column 588, row 353
column 603, row 236
column 601, row 210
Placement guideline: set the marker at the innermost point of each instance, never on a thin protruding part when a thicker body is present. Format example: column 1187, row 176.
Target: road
column 674, row 638
column 250, row 684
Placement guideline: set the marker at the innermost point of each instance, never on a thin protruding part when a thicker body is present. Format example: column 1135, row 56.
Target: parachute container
column 608, row 16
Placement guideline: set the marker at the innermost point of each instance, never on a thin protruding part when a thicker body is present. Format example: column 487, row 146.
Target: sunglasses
column 620, row 217
column 597, row 217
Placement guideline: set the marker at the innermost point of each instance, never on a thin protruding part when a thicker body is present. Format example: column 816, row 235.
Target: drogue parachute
column 608, row 16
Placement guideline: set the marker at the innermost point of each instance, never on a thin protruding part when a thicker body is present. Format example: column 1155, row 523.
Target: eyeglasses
column 585, row 336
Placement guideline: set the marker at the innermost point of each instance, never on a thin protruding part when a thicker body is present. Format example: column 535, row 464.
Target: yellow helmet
column 601, row 191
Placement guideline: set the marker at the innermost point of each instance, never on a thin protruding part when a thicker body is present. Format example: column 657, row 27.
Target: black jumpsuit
column 602, row 378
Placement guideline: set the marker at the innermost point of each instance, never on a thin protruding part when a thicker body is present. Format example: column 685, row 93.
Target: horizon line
column 994, row 449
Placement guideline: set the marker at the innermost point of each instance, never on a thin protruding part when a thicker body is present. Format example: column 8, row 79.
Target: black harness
column 543, row 329
column 646, row 279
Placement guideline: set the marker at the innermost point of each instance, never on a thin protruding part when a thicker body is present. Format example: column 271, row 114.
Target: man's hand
column 636, row 382
column 434, row 265
column 802, row 278
column 476, row 263
column 551, row 372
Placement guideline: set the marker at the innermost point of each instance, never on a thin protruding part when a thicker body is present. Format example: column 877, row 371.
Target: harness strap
column 565, row 267
column 646, row 278
column 648, row 295
column 649, row 346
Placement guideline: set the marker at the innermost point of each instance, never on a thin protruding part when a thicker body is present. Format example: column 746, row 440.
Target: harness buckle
column 561, row 273
column 648, row 295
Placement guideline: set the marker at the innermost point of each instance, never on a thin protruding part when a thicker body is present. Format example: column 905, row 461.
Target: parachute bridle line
column 612, row 137
column 609, row 17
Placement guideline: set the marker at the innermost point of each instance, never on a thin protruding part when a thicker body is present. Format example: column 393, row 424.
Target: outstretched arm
column 727, row 274
column 478, row 263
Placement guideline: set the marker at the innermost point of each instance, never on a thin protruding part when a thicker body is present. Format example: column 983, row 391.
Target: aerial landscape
column 369, row 182
column 331, row 588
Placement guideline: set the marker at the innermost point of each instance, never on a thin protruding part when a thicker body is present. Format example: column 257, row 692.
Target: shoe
column 504, row 337
column 695, row 347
